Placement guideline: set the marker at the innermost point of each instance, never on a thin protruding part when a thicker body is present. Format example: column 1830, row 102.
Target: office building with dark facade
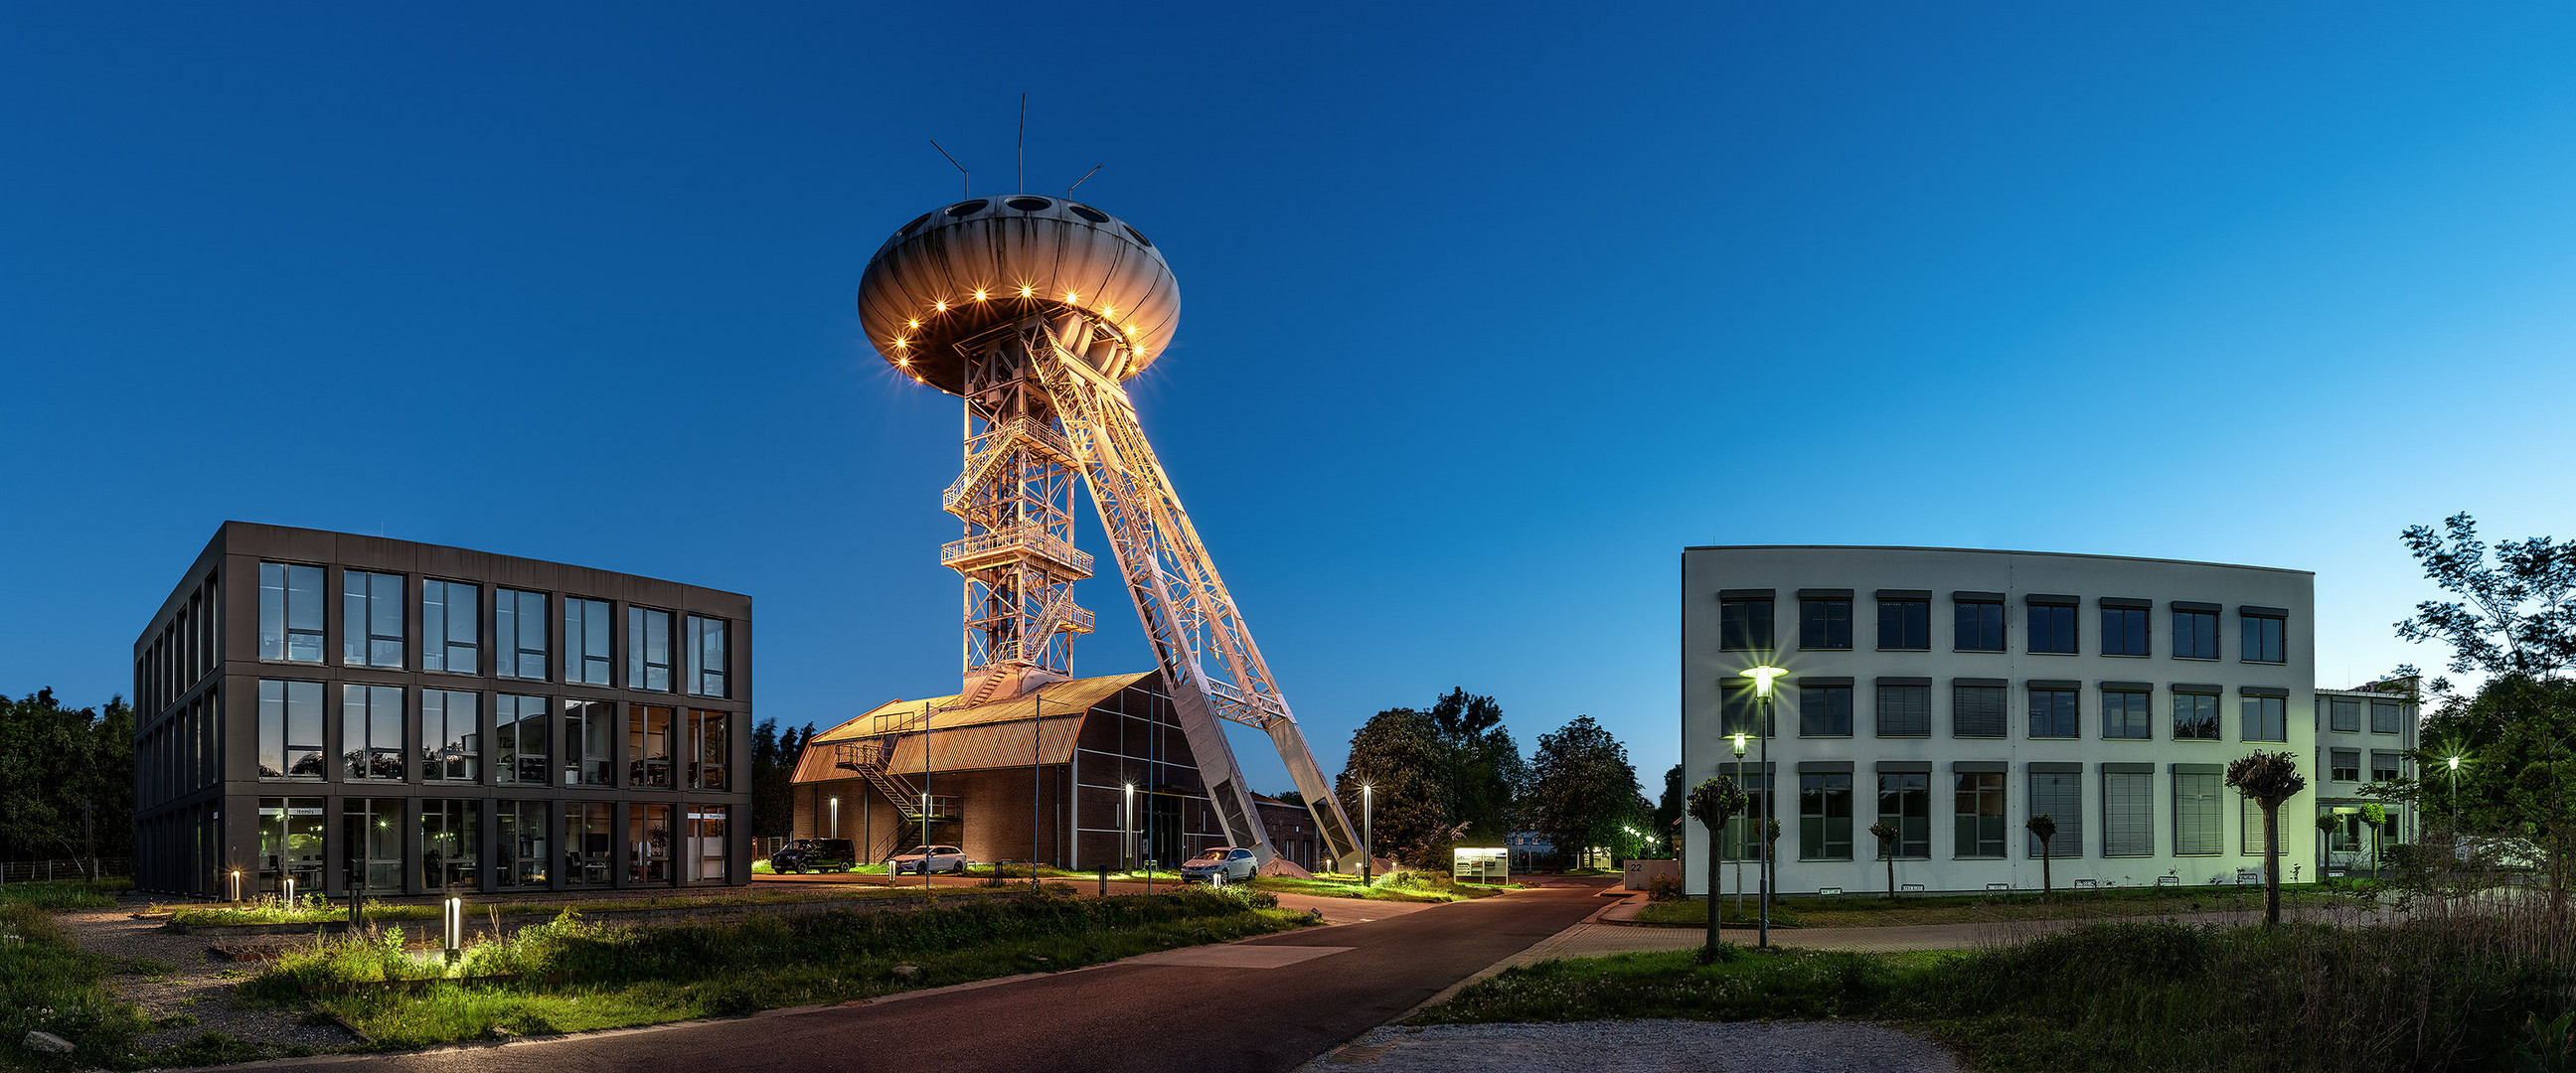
column 349, row 710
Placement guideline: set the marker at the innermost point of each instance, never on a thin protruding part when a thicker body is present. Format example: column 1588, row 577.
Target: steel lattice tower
column 1035, row 310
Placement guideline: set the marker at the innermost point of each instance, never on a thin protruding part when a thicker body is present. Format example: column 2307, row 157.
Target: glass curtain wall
column 451, row 835
column 648, row 853
column 707, row 841
column 371, row 834
column 586, row 732
column 648, row 746
column 519, row 740
column 587, row 840
column 450, row 739
column 522, row 843
column 707, row 748
column 290, row 843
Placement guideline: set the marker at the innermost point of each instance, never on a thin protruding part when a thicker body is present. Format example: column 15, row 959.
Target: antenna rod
column 1022, row 161
column 962, row 177
column 1095, row 170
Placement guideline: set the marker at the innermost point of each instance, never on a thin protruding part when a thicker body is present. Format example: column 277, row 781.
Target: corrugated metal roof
column 988, row 735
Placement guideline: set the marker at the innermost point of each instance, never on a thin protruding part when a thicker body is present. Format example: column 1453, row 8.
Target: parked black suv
column 815, row 855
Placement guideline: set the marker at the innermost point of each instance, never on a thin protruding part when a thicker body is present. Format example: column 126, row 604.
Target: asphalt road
column 1262, row 1004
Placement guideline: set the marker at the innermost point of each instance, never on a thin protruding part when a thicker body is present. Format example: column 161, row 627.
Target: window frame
column 2335, row 722
column 1837, row 705
column 1737, row 624
column 578, row 635
column 2273, row 710
column 640, row 667
column 2211, row 699
column 2207, row 789
column 2268, row 645
column 359, row 619
column 2065, row 722
column 2199, row 639
column 2056, row 615
column 2138, row 707
column 2396, row 711
column 1822, row 793
column 282, row 728
column 696, row 634
column 362, row 724
column 445, row 761
column 1912, row 614
column 1972, row 787
column 510, row 651
column 2336, row 761
column 1910, row 834
column 439, row 654
column 1961, row 609
column 1822, row 620
column 1886, row 691
column 2140, row 812
column 2070, row 834
column 285, row 612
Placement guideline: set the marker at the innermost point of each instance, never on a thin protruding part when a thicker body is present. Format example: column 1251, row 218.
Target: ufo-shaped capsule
column 961, row 270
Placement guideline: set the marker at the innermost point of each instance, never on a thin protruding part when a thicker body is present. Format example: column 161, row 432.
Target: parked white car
column 1224, row 863
column 948, row 859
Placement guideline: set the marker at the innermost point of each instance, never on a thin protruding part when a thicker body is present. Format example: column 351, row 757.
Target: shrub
column 1665, row 887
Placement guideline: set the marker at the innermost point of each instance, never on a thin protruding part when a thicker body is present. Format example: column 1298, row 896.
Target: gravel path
column 178, row 978
column 1639, row 1047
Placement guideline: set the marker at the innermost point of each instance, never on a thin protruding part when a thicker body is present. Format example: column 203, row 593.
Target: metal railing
column 1033, row 539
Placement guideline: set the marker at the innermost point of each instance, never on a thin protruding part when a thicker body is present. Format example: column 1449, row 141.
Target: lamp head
column 2455, row 763
column 1762, row 677
column 1738, row 737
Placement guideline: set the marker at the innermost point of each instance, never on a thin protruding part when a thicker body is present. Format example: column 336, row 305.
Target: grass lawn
column 1393, row 887
column 577, row 974
column 48, row 984
column 2109, row 996
column 314, row 908
column 1875, row 911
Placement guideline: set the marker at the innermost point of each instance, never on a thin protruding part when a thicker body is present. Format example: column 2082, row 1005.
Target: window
column 2059, row 795
column 1744, row 624
column 709, row 842
column 450, row 834
column 2343, row 715
column 586, row 641
column 450, row 630
column 1980, row 626
column 707, row 656
column 648, row 833
column 1824, row 711
column 1905, row 802
column 1979, row 814
column 2387, row 717
column 2052, row 629
column 290, row 612
column 450, row 741
column 523, row 843
column 2263, row 632
column 2054, row 713
column 2195, row 805
column 519, row 634
column 2124, row 628
column 1977, row 711
column 371, row 731
column 648, row 746
column 2128, row 714
column 709, row 746
column 2383, row 766
column 648, row 649
column 519, row 739
column 2128, row 813
column 1741, row 710
column 2195, row 633
column 1825, row 816
column 290, row 730
column 586, row 842
column 1904, row 711
column 2195, row 716
column 2265, row 719
column 586, row 730
column 1734, row 843
column 371, row 619
column 371, row 832
column 290, row 842
column 2344, row 765
column 1905, row 624
column 1824, row 623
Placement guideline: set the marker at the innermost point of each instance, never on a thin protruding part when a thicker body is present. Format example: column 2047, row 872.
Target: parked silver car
column 1222, row 864
column 948, row 859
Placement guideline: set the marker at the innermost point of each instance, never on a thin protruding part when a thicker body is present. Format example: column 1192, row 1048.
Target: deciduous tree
column 1582, row 787
column 2267, row 779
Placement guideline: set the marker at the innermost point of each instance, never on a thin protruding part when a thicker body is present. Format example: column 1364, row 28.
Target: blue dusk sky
column 1488, row 313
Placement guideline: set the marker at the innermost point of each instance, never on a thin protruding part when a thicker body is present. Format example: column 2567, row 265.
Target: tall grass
column 2460, row 986
column 61, row 894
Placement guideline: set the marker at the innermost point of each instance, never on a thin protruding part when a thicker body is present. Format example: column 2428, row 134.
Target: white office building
column 1954, row 693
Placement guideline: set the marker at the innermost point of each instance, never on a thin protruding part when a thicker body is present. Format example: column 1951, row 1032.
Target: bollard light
column 454, row 918
column 232, row 887
column 286, row 891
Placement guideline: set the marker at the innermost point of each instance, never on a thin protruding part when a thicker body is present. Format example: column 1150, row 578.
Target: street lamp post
column 1762, row 687
column 1368, row 812
column 1739, row 849
column 2455, row 797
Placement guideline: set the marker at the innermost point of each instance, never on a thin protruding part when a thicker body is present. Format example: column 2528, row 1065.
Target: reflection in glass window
column 2052, row 629
column 708, row 747
column 2124, row 631
column 371, row 834
column 1905, row 801
column 519, row 634
column 2266, row 719
column 519, row 739
column 2195, row 634
column 450, row 741
column 2054, row 713
column 450, row 626
column 648, row 649
column 1824, row 624
column 707, row 656
column 1825, row 816
column 451, row 835
column 1979, row 814
column 524, row 860
column 2195, row 717
column 290, row 612
column 371, row 619
column 2263, row 636
column 290, row 730
column 371, row 731
column 587, row 730
column 1905, row 624
column 290, row 843
column 1980, row 626
column 2126, row 714
column 586, row 641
